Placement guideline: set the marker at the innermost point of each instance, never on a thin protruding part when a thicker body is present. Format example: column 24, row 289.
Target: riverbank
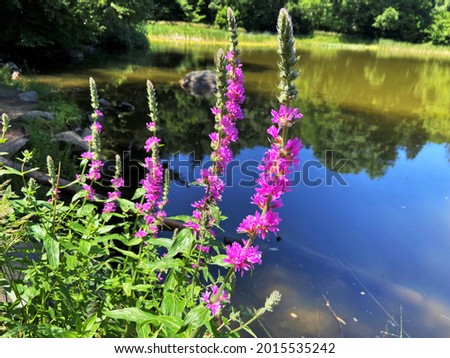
column 204, row 35
column 39, row 115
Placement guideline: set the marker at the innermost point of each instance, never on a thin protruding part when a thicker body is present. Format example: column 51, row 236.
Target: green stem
column 258, row 314
column 55, row 194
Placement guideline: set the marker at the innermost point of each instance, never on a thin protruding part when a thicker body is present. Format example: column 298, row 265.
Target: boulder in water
column 200, row 83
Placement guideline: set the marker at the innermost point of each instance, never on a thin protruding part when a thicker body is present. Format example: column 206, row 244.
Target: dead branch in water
column 340, row 322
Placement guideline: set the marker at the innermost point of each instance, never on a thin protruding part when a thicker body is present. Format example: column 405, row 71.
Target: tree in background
column 68, row 24
column 439, row 30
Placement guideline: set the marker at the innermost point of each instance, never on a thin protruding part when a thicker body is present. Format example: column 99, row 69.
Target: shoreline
column 201, row 35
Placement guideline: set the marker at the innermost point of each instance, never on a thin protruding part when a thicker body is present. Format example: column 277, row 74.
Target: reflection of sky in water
column 370, row 247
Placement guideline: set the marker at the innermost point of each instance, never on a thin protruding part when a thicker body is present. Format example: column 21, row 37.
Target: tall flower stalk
column 227, row 111
column 276, row 164
column 154, row 185
column 92, row 156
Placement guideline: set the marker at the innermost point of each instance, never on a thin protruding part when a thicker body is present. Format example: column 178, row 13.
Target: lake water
column 367, row 224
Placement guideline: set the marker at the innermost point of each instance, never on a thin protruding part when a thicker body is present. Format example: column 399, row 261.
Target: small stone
column 30, row 96
column 103, row 102
column 39, row 114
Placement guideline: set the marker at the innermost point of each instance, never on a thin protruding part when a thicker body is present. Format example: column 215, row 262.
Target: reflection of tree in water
column 368, row 142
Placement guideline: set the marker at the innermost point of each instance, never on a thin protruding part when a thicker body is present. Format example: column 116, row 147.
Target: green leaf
column 218, row 260
column 51, row 245
column 127, row 253
column 75, row 226
column 111, row 237
column 182, row 244
column 131, row 314
column 79, row 195
column 162, row 242
column 172, row 306
column 86, row 210
column 143, row 330
column 142, row 287
column 127, row 288
column 126, row 205
column 41, row 331
column 184, row 218
column 134, row 314
column 72, row 262
column 105, row 229
column 133, row 242
column 138, row 194
column 85, row 247
column 165, row 263
column 90, row 326
column 216, row 214
column 196, row 318
column 39, row 232
column 12, row 171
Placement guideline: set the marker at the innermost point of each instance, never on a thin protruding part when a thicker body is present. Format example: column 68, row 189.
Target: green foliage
column 387, row 21
column 439, row 31
column 63, row 24
column 302, row 17
column 407, row 20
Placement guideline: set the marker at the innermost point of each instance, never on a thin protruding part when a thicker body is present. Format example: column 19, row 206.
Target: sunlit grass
column 206, row 35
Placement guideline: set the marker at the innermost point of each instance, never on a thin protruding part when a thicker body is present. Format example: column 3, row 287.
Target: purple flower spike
column 242, row 257
column 216, row 305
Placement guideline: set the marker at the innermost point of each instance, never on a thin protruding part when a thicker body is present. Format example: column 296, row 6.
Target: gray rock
column 86, row 132
column 12, row 67
column 200, row 83
column 30, row 96
column 104, row 102
column 39, row 114
column 74, row 139
column 124, row 107
column 13, row 146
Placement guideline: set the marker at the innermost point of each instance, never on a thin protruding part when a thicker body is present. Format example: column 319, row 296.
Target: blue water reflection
column 371, row 246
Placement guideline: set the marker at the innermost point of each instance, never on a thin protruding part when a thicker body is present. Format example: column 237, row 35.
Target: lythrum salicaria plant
column 97, row 264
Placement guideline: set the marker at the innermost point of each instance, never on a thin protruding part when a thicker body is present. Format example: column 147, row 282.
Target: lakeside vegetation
column 57, row 26
column 174, row 33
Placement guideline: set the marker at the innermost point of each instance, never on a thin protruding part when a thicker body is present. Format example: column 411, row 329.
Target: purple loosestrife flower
column 242, row 257
column 140, row 233
column 214, row 306
column 97, row 113
column 153, row 183
column 117, row 183
column 96, row 126
column 87, row 155
column 227, row 111
column 285, row 115
column 259, row 225
column 205, row 249
column 91, row 157
column 282, row 155
column 109, row 207
column 90, row 191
